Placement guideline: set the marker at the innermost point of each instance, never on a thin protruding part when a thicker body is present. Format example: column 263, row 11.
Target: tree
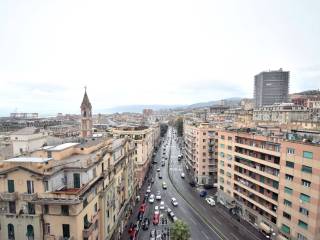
column 179, row 230
column 179, row 126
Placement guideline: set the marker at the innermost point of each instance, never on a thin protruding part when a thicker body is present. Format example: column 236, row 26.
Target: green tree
column 179, row 230
column 179, row 126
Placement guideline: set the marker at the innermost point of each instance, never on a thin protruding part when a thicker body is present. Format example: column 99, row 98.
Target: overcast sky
column 150, row 52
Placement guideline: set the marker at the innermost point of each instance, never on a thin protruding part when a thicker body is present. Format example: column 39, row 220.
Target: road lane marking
column 205, row 235
column 234, row 236
column 193, row 221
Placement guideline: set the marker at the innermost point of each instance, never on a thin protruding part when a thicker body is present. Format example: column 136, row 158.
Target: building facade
column 271, row 87
column 86, row 117
column 271, row 182
column 199, row 152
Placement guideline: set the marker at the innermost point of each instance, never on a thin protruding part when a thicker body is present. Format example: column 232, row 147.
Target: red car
column 142, row 208
column 156, row 218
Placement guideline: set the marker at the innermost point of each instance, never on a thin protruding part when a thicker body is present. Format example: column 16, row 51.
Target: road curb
column 218, row 232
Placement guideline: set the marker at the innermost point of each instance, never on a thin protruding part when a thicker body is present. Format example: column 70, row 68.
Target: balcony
column 6, row 196
column 90, row 227
column 28, row 196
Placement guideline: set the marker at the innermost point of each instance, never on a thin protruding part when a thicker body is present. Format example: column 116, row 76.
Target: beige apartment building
column 70, row 191
column 271, row 182
column 145, row 139
column 199, row 152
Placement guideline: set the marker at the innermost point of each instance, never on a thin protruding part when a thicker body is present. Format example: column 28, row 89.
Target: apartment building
column 199, row 152
column 283, row 113
column 271, row 182
column 60, row 192
column 146, row 139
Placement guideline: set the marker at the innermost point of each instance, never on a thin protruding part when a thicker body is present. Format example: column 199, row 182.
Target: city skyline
column 187, row 52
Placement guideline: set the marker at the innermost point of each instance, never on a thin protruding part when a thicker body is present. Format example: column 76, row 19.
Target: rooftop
column 28, row 159
column 63, row 146
column 27, row 131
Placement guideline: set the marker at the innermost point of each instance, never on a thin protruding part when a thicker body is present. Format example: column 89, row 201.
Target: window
column 304, row 197
column 96, row 207
column 203, row 173
column 290, row 151
column 222, row 137
column 222, row 171
column 287, row 215
column 203, row 140
column 47, row 228
column 222, row 154
column 46, row 209
column 289, row 177
column 222, row 145
column 305, row 183
column 30, row 232
column 31, row 208
column 221, row 179
column 306, row 169
column 287, row 203
column 285, row 228
column 66, row 230
column 229, row 138
column 262, row 179
column 307, row 154
column 30, row 188
column 11, row 232
column 222, row 163
column 304, row 211
column 301, row 237
column 46, row 186
column 229, row 147
column 288, row 190
column 290, row 164
column 76, row 180
column 65, row 210
column 85, row 202
column 303, row 224
column 10, row 186
column 12, row 207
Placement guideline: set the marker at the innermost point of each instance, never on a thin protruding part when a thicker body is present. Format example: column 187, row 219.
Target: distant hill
column 308, row 92
column 139, row 108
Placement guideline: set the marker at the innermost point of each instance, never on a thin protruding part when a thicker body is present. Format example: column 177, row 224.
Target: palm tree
column 179, row 230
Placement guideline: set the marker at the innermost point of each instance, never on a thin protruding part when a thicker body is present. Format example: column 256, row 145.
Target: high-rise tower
column 86, row 117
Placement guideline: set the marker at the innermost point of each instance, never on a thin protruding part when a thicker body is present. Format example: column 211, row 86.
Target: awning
column 265, row 227
column 281, row 237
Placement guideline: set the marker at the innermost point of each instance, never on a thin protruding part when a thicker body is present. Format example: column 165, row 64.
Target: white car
column 158, row 169
column 151, row 198
column 158, row 196
column 174, row 202
column 149, row 189
column 211, row 201
column 162, row 205
column 182, row 175
column 156, row 208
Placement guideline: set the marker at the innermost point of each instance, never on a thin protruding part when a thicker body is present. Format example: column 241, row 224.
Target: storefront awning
column 265, row 227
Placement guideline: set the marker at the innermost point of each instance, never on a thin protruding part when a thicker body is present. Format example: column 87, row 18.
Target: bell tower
column 86, row 116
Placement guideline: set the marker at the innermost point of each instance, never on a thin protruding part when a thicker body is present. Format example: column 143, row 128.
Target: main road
column 205, row 222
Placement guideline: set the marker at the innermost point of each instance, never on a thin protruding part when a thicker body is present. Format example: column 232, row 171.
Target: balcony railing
column 89, row 228
column 28, row 196
column 6, row 196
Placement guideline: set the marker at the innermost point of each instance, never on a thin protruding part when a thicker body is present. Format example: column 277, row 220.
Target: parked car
column 182, row 175
column 174, row 202
column 158, row 234
column 156, row 218
column 192, row 183
column 153, row 234
column 160, row 176
column 145, row 224
column 152, row 180
column 211, row 201
column 142, row 208
column 156, row 208
column 151, row 198
column 158, row 169
column 149, row 189
column 203, row 193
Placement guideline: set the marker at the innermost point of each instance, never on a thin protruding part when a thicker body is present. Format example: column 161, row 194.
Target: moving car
column 163, row 163
column 145, row 224
column 158, row 169
column 211, row 201
column 158, row 196
column 156, row 218
column 156, row 208
column 164, row 185
column 153, row 234
column 161, row 205
column 172, row 216
column 151, row 198
column 182, row 175
column 149, row 189
column 142, row 208
column 174, row 202
column 160, row 176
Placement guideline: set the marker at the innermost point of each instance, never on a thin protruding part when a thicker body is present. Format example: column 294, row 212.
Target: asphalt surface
column 205, row 222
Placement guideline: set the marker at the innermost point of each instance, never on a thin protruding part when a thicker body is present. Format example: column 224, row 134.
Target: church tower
column 86, row 117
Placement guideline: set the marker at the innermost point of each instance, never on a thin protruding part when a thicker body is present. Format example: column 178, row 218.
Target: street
column 204, row 221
